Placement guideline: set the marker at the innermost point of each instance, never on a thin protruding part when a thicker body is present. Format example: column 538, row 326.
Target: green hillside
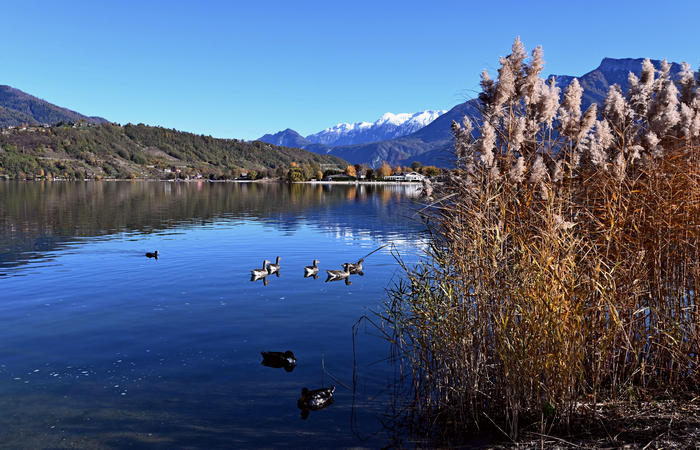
column 139, row 151
column 17, row 108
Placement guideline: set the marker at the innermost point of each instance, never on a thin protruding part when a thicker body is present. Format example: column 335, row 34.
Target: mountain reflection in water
column 37, row 217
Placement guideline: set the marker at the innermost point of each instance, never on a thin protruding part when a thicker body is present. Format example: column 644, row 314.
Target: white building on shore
column 410, row 176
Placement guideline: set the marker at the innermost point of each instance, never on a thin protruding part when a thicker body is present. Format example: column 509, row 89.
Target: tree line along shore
column 86, row 151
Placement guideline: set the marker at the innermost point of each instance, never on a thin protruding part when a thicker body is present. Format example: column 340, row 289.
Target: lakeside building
column 411, row 176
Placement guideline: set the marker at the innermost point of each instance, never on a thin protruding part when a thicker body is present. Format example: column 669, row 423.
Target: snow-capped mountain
column 434, row 143
column 389, row 126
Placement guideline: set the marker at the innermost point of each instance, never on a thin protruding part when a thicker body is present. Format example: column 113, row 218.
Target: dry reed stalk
column 576, row 283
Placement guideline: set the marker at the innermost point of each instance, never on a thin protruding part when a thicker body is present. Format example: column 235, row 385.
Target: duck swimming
column 152, row 254
column 338, row 274
column 314, row 400
column 311, row 271
column 279, row 359
column 256, row 274
column 272, row 268
column 357, row 267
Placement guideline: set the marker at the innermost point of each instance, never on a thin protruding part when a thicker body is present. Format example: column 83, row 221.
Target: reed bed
column 564, row 266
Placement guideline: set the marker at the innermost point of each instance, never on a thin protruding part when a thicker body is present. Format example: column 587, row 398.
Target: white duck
column 256, row 274
column 272, row 268
column 310, row 271
column 338, row 274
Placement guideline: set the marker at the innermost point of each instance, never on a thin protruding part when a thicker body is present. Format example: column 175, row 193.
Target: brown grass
column 537, row 297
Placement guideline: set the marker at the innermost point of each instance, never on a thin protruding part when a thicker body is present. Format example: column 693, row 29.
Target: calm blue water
column 103, row 347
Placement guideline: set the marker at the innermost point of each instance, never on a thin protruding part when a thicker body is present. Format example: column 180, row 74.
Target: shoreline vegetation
column 557, row 302
column 79, row 151
column 83, row 150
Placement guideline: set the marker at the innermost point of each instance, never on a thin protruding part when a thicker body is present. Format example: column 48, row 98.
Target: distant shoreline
column 200, row 180
column 418, row 183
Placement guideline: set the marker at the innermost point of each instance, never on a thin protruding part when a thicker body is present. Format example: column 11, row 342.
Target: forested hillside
column 139, row 151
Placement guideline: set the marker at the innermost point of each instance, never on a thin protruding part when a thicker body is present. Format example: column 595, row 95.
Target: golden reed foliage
column 564, row 263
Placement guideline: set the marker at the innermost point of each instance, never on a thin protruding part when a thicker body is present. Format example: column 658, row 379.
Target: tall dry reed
column 564, row 264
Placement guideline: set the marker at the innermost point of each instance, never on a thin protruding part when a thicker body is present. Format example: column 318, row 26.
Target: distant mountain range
column 19, row 108
column 389, row 126
column 432, row 144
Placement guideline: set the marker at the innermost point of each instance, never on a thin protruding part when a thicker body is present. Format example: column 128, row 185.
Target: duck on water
column 312, row 270
column 256, row 274
column 279, row 359
column 315, row 400
column 356, row 268
column 272, row 268
column 338, row 274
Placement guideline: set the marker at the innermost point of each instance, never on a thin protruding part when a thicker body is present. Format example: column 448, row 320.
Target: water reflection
column 129, row 352
column 36, row 218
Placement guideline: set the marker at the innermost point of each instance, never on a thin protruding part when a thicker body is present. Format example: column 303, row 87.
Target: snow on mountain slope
column 389, row 126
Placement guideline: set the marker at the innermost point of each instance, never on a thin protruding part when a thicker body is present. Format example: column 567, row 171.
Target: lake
column 102, row 347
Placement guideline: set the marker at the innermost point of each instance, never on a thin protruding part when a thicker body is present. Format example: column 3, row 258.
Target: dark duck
column 315, row 400
column 279, row 359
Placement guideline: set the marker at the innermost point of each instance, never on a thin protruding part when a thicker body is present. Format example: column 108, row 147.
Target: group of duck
column 269, row 268
column 310, row 400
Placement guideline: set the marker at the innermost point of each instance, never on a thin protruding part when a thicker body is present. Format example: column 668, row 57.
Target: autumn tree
column 384, row 170
column 295, row 174
column 430, row 171
column 350, row 171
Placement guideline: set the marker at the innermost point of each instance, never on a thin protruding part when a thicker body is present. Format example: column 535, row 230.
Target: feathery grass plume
column 687, row 83
column 533, row 71
column 619, row 165
column 487, row 144
column 656, row 149
column 517, row 172
column 588, row 120
column 518, row 134
column 635, row 153
column 462, row 140
column 538, row 171
column 570, row 111
column 665, row 107
column 549, row 102
column 505, row 87
column 689, row 122
column 538, row 299
column 640, row 89
column 616, row 110
column 488, row 88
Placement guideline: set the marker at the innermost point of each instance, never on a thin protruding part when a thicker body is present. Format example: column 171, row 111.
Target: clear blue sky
column 242, row 69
